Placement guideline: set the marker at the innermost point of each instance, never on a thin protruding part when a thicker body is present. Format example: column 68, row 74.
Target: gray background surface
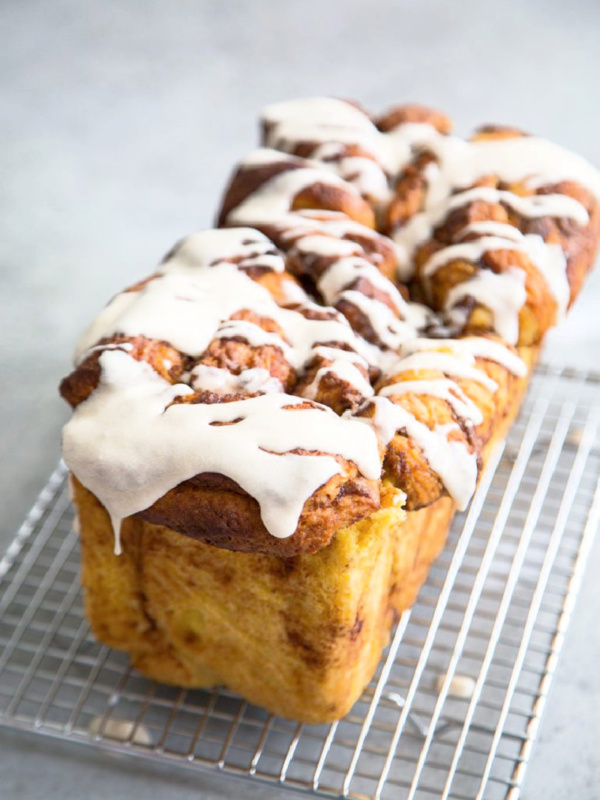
column 119, row 122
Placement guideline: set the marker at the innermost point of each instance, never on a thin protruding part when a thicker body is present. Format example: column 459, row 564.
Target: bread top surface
column 258, row 387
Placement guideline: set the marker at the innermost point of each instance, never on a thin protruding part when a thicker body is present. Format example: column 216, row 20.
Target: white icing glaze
column 267, row 155
column 466, row 251
column 304, row 334
column 221, row 381
column 129, row 446
column 333, row 354
column 462, row 686
column 454, row 464
column 549, row 259
column 461, row 163
column 285, row 135
column 331, row 123
column 420, row 227
column 336, row 226
column 272, row 201
column 504, row 295
column 530, row 159
column 122, row 730
column 345, row 271
column 365, row 174
column 327, row 110
column 292, row 293
column 127, row 347
column 187, row 310
column 327, row 246
column 254, row 335
column 269, row 262
column 474, row 346
column 495, row 229
column 459, row 366
column 443, row 388
column 536, row 205
column 390, row 330
column 345, row 372
column 205, row 248
column 180, row 308
column 512, row 160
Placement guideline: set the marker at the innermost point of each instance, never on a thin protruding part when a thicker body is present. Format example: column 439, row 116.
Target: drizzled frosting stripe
column 188, row 310
column 247, row 247
column 130, row 445
column 548, row 259
column 503, row 294
column 204, row 378
column 469, row 348
column 447, row 363
column 272, row 201
column 455, row 465
column 421, row 226
column 329, row 126
column 444, row 388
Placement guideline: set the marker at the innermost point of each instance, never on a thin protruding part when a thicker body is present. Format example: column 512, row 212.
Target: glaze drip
column 130, row 444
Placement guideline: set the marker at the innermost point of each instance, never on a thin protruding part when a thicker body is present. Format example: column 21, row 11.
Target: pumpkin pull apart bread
column 272, row 431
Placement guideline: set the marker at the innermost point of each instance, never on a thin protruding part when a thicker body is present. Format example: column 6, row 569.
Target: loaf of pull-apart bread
column 272, row 431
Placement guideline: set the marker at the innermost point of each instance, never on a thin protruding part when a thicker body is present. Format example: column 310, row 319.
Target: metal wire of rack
column 455, row 705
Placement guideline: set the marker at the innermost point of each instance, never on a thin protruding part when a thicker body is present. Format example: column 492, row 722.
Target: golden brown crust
column 235, row 355
column 168, row 362
column 214, row 509
column 329, row 388
column 413, row 113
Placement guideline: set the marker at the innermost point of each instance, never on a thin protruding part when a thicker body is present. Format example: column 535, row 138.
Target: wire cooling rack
column 455, row 705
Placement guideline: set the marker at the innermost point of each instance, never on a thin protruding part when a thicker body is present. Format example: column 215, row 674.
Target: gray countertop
column 119, row 122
